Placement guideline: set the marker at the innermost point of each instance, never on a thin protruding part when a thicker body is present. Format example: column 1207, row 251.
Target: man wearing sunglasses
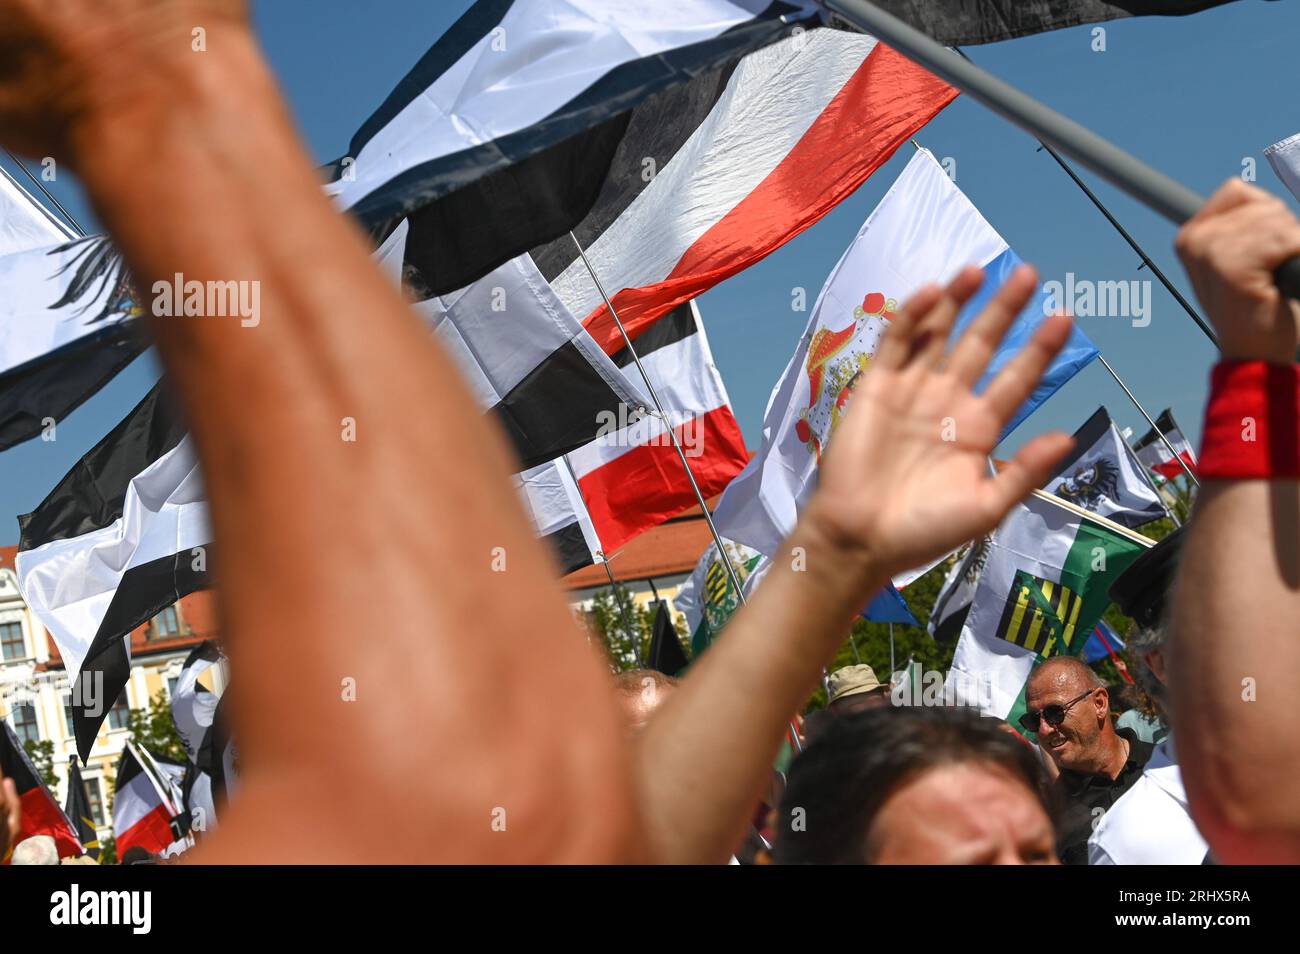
column 1068, row 709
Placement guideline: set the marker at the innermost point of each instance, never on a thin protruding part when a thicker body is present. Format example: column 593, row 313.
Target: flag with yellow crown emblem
column 924, row 230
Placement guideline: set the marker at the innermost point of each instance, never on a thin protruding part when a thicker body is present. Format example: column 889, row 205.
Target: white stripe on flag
column 69, row 583
column 745, row 137
column 542, row 55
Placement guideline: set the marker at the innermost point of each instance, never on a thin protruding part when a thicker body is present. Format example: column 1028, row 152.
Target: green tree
column 625, row 628
column 41, row 752
column 154, row 728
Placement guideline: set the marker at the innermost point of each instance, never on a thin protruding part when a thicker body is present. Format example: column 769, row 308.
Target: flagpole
column 672, row 434
column 1123, row 670
column 76, row 229
column 1124, row 233
column 1153, row 188
column 1138, row 404
column 604, row 560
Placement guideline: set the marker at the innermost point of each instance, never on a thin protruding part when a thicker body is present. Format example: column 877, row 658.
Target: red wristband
column 1252, row 423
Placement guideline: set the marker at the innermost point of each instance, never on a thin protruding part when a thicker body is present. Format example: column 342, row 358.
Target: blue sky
column 1194, row 96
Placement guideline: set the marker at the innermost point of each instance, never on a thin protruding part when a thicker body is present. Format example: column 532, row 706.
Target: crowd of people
column 530, row 755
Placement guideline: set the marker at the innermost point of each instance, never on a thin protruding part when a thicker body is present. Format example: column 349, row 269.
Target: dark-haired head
column 916, row 785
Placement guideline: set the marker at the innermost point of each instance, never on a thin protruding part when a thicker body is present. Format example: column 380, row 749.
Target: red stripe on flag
column 1170, row 468
column 41, row 816
column 887, row 100
column 646, row 486
column 153, row 833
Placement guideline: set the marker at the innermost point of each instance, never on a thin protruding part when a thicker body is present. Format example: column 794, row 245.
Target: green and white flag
column 708, row 599
column 1043, row 588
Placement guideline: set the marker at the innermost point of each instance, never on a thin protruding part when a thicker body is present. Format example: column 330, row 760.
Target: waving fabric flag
column 77, row 808
column 144, row 814
column 1151, row 450
column 986, row 21
column 714, row 176
column 24, row 224
column 116, row 541
column 1284, row 157
column 1043, row 588
column 923, row 230
column 197, row 713
column 65, row 330
column 707, row 599
column 41, row 813
column 1103, row 475
column 513, row 116
column 529, row 362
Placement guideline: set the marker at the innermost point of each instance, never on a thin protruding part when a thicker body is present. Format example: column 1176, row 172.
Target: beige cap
column 853, row 681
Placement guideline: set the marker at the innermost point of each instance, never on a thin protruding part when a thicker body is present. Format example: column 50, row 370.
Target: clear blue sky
column 1193, row 96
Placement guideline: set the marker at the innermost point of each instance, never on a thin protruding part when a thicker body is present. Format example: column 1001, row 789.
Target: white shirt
column 1150, row 823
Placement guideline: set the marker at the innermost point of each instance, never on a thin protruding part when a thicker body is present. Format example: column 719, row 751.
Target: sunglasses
column 1053, row 715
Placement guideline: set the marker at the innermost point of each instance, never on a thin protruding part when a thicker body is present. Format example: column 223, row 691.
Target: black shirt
column 1081, row 793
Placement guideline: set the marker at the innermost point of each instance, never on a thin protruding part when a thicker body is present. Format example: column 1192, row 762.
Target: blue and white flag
column 923, row 230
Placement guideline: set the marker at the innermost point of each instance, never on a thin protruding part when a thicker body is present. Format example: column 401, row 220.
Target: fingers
column 976, row 347
column 1030, row 468
column 896, row 344
column 934, row 329
column 1017, row 380
column 918, row 333
column 1231, row 194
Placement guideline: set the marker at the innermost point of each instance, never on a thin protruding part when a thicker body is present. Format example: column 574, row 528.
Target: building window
column 11, row 639
column 166, row 625
column 171, row 686
column 23, row 715
column 120, row 712
column 67, row 716
column 94, row 795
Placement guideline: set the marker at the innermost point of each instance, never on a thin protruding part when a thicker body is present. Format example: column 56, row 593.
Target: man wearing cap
column 849, row 689
column 1151, row 823
column 1068, row 708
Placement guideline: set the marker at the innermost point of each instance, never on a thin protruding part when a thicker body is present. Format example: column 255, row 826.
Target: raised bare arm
column 365, row 563
column 893, row 494
column 1235, row 651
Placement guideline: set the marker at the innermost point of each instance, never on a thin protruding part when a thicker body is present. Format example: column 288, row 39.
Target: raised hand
column 906, row 478
column 1230, row 249
column 66, row 63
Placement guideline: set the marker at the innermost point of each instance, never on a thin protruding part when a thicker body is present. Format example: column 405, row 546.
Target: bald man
column 1069, row 707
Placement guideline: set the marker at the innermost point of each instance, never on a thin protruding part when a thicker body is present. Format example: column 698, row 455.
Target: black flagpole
column 1154, row 189
column 1124, row 233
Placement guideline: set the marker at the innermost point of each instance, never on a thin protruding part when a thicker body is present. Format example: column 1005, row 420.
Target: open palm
column 907, row 477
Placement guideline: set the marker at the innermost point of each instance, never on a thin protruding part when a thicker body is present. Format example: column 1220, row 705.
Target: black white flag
column 514, row 114
column 120, row 538
column 964, row 22
column 1102, row 474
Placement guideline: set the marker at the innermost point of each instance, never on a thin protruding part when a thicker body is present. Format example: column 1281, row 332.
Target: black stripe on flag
column 1085, row 439
column 570, row 548
column 91, row 495
column 78, row 811
column 987, row 21
column 677, row 325
column 142, row 593
column 655, row 131
column 57, row 383
column 1166, row 425
column 473, row 209
column 553, row 409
